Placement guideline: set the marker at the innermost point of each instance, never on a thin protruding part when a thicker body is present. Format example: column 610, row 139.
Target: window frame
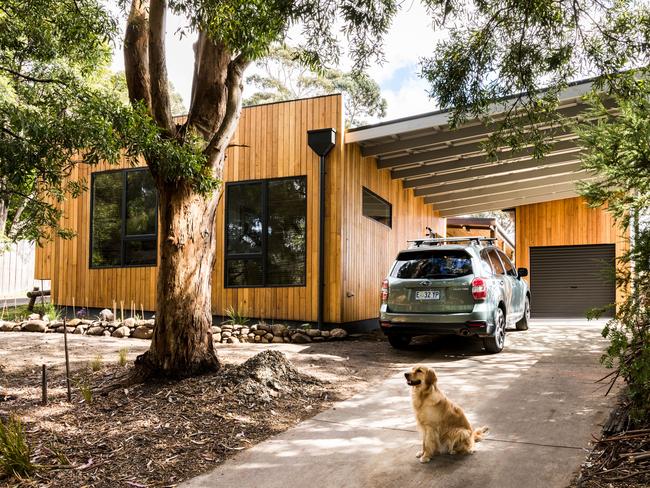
column 123, row 238
column 503, row 268
column 262, row 255
column 383, row 200
column 505, row 260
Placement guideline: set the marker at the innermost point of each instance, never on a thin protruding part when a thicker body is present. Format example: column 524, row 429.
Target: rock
column 264, row 340
column 300, row 338
column 123, row 331
column 130, row 322
column 46, row 319
column 18, row 328
column 325, row 333
column 216, row 337
column 318, row 339
column 148, row 323
column 259, row 332
column 257, row 339
column 338, row 334
column 278, row 329
column 111, row 329
column 86, row 321
column 95, row 330
column 237, row 327
column 142, row 332
column 251, row 336
column 6, row 326
column 55, row 323
column 244, row 331
column 60, row 329
column 35, row 326
column 216, row 329
column 313, row 332
column 226, row 334
column 268, row 336
column 79, row 330
column 233, row 340
column 106, row 315
column 286, row 339
column 277, row 339
column 106, row 333
column 264, row 327
column 73, row 322
column 253, row 327
column 34, row 316
column 227, row 327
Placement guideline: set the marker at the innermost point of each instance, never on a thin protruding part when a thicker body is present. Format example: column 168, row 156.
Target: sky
column 411, row 37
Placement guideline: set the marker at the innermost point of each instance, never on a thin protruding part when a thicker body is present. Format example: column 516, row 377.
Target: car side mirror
column 521, row 272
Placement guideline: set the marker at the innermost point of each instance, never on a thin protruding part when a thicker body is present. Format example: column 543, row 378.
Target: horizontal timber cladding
column 369, row 247
column 568, row 281
column 270, row 142
column 567, row 222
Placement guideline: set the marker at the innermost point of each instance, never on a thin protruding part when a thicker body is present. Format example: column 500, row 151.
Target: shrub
column 96, row 364
column 124, row 352
column 235, row 317
column 15, row 453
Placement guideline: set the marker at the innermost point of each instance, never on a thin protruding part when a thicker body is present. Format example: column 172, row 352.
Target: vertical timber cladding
column 566, row 222
column 369, row 247
column 568, row 281
column 271, row 142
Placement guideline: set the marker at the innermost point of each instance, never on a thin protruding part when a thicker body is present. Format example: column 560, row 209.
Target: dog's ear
column 430, row 378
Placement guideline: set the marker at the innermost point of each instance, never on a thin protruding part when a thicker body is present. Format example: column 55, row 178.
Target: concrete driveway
column 539, row 398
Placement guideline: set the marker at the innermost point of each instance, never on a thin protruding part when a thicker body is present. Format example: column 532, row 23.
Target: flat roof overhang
column 450, row 169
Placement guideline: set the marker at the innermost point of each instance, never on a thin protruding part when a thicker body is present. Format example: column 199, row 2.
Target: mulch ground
column 621, row 457
column 158, row 434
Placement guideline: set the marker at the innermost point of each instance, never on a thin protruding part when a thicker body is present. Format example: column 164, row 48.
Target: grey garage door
column 567, row 281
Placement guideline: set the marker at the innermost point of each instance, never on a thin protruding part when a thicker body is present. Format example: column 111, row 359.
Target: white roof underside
column 451, row 171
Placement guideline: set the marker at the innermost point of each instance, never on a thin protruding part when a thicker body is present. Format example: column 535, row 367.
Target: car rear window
column 432, row 264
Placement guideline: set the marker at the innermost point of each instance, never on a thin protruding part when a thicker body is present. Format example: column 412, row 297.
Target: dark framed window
column 266, row 233
column 123, row 219
column 376, row 208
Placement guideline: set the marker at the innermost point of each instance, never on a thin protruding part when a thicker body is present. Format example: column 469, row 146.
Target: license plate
column 427, row 295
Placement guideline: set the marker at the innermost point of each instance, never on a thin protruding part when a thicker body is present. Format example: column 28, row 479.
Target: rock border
column 225, row 333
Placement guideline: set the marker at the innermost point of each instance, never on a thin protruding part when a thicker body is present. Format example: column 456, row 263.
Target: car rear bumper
column 476, row 323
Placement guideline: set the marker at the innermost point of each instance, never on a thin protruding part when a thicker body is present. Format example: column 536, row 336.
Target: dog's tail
column 480, row 433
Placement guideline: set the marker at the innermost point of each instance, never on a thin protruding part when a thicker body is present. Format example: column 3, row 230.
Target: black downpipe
column 321, row 245
column 321, row 141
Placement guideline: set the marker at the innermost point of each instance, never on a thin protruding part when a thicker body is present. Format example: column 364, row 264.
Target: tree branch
column 32, row 78
column 136, row 54
column 211, row 63
column 234, row 85
column 160, row 103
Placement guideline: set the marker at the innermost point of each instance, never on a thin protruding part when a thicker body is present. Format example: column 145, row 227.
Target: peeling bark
column 182, row 340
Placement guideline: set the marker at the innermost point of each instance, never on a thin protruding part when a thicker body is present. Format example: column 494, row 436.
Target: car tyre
column 399, row 341
column 523, row 323
column 495, row 343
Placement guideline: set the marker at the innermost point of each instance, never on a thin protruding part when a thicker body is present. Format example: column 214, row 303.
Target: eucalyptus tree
column 280, row 75
column 186, row 159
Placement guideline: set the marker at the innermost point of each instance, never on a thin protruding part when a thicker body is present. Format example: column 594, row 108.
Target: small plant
column 123, row 356
column 83, row 383
column 15, row 453
column 96, row 364
column 235, row 317
column 51, row 311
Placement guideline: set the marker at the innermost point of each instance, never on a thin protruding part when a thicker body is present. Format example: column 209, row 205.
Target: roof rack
column 440, row 241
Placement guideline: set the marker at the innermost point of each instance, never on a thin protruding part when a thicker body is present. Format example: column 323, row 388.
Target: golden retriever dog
column 444, row 426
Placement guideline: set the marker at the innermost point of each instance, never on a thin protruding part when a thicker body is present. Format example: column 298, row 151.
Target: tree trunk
column 182, row 338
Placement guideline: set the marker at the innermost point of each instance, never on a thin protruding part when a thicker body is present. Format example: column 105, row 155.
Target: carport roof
column 451, row 171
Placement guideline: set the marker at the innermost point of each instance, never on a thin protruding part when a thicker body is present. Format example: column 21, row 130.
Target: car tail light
column 479, row 289
column 384, row 291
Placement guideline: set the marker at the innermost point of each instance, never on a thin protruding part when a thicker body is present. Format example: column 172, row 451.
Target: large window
column 376, row 208
column 124, row 219
column 266, row 232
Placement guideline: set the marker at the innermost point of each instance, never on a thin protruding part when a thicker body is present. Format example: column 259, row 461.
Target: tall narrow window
column 124, row 219
column 376, row 208
column 266, row 233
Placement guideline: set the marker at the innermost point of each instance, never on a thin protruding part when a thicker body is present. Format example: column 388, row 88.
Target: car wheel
column 523, row 322
column 399, row 341
column 495, row 343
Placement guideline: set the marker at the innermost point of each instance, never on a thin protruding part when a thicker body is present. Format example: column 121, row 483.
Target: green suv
column 463, row 286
